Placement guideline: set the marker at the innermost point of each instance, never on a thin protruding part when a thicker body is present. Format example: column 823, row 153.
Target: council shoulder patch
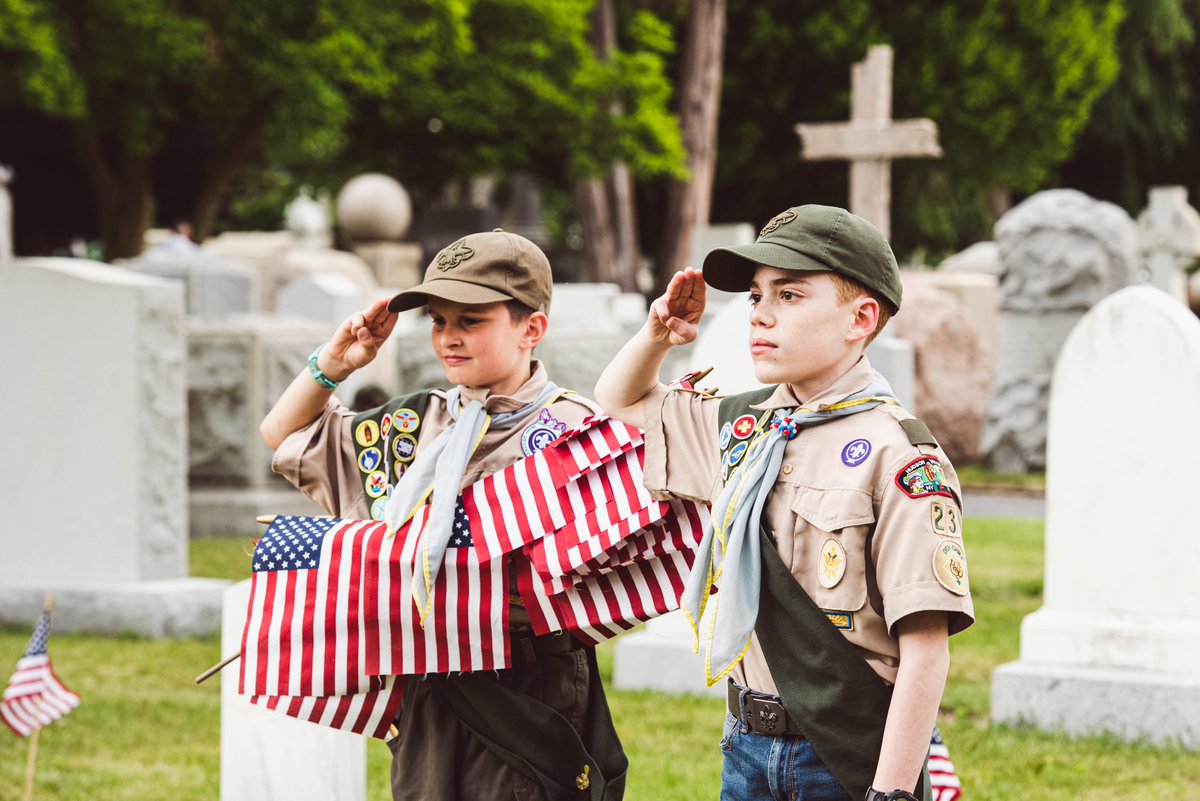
column 950, row 566
column 923, row 476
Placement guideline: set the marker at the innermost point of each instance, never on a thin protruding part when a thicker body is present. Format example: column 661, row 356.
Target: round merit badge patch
column 376, row 484
column 385, row 425
column 743, row 427
column 737, row 452
column 540, row 433
column 378, row 506
column 726, row 434
column 406, row 421
column 923, row 476
column 856, row 452
column 369, row 459
column 367, row 433
column 833, row 564
column 950, row 566
column 404, row 448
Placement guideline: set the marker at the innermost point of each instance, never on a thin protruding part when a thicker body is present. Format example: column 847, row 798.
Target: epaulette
column 918, row 433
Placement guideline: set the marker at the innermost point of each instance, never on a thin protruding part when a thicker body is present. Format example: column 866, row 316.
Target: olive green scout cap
column 484, row 268
column 811, row 239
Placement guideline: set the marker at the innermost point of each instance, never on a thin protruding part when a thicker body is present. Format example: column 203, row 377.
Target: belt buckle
column 766, row 716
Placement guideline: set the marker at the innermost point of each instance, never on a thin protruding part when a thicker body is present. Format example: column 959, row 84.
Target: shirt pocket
column 830, row 545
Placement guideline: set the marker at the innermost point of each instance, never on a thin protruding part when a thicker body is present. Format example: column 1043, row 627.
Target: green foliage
column 1010, row 85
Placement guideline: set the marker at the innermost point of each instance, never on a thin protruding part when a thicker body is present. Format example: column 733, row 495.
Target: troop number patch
column 944, row 518
column 923, row 476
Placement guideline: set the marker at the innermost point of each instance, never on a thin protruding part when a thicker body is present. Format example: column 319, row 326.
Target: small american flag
column 942, row 778
column 35, row 697
column 369, row 713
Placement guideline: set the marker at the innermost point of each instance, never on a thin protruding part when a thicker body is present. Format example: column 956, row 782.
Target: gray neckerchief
column 729, row 552
column 439, row 471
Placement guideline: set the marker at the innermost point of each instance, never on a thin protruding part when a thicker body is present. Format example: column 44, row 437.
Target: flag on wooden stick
column 35, row 697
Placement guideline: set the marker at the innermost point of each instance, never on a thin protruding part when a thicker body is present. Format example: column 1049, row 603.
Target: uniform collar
column 856, row 379
column 499, row 404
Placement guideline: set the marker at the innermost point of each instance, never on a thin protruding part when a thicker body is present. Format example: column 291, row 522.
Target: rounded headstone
column 373, row 207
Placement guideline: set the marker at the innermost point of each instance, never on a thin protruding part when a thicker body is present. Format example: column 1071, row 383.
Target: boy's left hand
column 675, row 317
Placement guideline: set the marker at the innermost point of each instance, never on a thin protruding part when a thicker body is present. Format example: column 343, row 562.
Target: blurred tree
column 163, row 93
column 1009, row 82
column 1140, row 131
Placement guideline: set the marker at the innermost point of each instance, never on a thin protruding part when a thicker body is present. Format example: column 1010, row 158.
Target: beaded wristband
column 324, row 381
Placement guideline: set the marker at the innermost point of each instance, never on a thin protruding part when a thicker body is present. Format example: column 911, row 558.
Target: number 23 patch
column 944, row 519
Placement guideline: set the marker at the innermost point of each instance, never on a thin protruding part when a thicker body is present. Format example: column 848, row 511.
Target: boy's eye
column 754, row 298
column 787, row 294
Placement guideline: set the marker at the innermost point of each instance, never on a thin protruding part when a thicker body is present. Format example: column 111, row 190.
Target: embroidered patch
column 369, row 460
column 944, row 517
column 726, row 435
column 779, row 219
column 406, row 421
column 856, row 452
column 833, row 564
column 743, row 427
column 923, row 476
column 950, row 566
column 404, row 447
column 367, row 433
column 399, row 467
column 378, row 507
column 376, row 483
column 385, row 425
column 840, row 620
column 453, row 255
column 541, row 432
column 737, row 452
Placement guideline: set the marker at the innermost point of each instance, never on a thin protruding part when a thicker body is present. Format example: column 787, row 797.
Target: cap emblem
column 776, row 221
column 452, row 255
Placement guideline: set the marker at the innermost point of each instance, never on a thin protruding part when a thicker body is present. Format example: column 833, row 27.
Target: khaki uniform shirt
column 864, row 519
column 320, row 459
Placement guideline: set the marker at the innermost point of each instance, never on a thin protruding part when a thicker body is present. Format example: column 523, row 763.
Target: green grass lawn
column 145, row 731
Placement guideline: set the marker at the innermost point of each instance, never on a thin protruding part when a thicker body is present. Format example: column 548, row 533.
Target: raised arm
column 674, row 319
column 354, row 344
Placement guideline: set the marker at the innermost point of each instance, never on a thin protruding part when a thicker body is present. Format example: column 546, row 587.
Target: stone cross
column 6, row 246
column 872, row 139
column 1169, row 239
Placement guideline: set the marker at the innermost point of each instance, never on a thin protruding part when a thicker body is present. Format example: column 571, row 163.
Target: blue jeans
column 760, row 767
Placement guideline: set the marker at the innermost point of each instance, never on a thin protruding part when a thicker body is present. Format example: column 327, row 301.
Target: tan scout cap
column 484, row 268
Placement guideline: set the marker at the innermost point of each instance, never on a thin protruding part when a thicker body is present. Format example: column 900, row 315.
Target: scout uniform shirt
column 868, row 523
column 320, row 459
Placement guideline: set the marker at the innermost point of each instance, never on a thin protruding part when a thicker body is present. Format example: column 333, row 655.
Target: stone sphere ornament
column 373, row 207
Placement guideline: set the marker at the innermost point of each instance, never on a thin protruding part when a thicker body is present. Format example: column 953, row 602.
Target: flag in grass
column 35, row 697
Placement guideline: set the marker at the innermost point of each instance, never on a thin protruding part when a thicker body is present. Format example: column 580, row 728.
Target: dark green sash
column 368, row 434
column 538, row 742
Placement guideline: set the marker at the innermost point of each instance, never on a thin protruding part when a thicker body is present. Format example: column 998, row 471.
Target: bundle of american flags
column 35, row 697
column 332, row 628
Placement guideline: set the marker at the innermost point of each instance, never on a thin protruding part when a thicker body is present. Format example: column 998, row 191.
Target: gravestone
column 268, row 756
column 212, row 284
column 6, row 229
column 97, row 452
column 871, row 140
column 309, row 221
column 1062, row 252
column 1169, row 239
column 1115, row 645
column 238, row 366
column 981, row 257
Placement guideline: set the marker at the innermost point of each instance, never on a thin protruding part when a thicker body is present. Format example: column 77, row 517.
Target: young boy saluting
column 460, row 736
column 836, row 537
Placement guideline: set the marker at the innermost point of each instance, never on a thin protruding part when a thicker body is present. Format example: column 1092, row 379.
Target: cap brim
column 446, row 289
column 731, row 269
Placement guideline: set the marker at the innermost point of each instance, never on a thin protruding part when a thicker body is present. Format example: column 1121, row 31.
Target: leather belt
column 765, row 714
column 527, row 650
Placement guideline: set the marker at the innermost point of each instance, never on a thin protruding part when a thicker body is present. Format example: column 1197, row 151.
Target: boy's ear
column 866, row 317
column 536, row 326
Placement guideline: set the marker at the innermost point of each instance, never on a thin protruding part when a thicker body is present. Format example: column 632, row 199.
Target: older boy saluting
column 541, row 729
column 836, row 538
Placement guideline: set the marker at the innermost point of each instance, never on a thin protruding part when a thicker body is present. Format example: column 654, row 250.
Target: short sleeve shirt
column 868, row 523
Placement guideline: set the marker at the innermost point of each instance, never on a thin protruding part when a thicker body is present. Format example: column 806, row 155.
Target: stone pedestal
column 659, row 656
column 268, row 756
column 97, row 452
column 397, row 265
column 1116, row 644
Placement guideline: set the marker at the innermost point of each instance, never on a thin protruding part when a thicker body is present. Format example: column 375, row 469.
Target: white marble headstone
column 268, row 756
column 6, row 233
column 1115, row 646
column 1169, row 239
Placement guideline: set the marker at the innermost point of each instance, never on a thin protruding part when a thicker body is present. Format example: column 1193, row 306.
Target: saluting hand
column 357, row 340
column 675, row 317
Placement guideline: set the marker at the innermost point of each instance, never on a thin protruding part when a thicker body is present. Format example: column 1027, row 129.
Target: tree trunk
column 220, row 175
column 688, row 201
column 124, row 196
column 607, row 207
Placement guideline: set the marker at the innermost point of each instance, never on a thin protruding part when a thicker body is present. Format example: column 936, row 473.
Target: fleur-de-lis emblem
column 776, row 221
column 453, row 255
column 768, row 720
